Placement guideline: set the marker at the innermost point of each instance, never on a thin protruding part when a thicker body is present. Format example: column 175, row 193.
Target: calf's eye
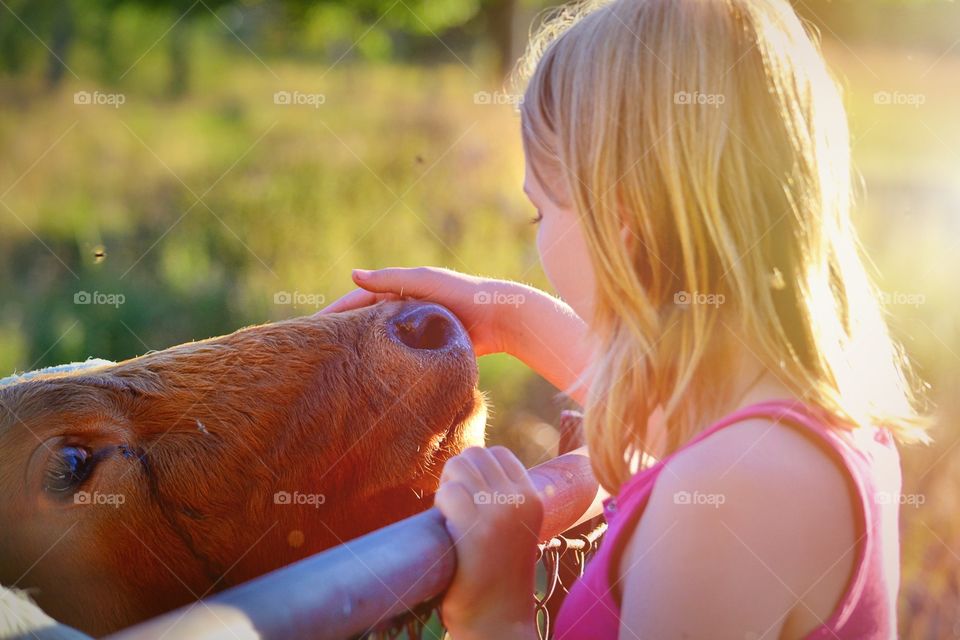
column 69, row 467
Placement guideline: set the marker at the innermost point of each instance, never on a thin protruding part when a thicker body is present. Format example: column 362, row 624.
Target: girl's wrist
column 521, row 628
column 544, row 333
column 508, row 316
column 507, row 613
column 521, row 311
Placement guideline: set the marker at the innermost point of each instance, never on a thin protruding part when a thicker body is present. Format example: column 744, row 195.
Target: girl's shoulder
column 790, row 461
column 761, row 507
column 770, row 483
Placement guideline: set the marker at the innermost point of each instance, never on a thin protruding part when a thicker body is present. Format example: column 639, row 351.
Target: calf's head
column 129, row 489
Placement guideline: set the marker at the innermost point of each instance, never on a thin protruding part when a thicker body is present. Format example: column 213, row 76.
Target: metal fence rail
column 562, row 560
column 373, row 581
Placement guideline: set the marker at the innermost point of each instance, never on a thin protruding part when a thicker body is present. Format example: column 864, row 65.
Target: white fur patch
column 20, row 619
column 59, row 368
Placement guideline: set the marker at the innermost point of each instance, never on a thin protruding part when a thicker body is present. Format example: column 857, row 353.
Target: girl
column 689, row 163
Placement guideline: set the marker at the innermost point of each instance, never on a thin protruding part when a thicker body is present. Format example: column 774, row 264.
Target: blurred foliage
column 111, row 31
column 201, row 197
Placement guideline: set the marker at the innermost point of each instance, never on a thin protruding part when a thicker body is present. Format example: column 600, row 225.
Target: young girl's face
column 561, row 245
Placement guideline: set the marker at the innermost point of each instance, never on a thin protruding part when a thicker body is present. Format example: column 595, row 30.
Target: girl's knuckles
column 459, row 469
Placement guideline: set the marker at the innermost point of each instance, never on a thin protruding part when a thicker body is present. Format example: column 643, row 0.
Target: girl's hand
column 494, row 515
column 500, row 316
column 478, row 302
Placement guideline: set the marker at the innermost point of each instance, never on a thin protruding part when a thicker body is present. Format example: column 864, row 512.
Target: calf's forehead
column 40, row 408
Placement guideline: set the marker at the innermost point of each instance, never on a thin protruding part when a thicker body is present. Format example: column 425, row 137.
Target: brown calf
column 130, row 489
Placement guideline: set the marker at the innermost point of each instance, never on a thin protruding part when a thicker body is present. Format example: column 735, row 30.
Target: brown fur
column 198, row 438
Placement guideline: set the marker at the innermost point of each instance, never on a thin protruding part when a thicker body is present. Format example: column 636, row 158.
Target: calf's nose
column 428, row 327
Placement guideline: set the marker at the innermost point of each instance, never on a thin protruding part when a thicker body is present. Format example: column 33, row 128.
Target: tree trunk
column 61, row 37
column 500, row 29
column 179, row 59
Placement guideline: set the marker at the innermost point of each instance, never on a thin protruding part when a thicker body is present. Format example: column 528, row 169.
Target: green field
column 199, row 210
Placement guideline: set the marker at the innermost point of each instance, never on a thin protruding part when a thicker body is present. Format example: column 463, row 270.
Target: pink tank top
column 867, row 610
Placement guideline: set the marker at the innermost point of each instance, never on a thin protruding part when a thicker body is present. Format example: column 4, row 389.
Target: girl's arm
column 550, row 338
column 500, row 316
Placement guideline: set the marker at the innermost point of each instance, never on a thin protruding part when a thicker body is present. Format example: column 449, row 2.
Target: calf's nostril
column 425, row 328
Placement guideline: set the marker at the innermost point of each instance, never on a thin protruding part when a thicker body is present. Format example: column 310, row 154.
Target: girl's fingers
column 487, row 466
column 353, row 300
column 511, row 466
column 356, row 299
column 455, row 502
column 459, row 469
column 418, row 282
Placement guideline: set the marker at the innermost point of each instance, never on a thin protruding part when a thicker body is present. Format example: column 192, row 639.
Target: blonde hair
column 711, row 133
